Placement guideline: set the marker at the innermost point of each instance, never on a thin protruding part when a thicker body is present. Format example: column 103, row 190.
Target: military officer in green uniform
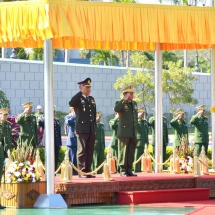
column 85, row 127
column 28, row 126
column 126, row 133
column 180, row 128
column 99, row 147
column 5, row 140
column 201, row 136
column 114, row 141
column 151, row 123
column 142, row 137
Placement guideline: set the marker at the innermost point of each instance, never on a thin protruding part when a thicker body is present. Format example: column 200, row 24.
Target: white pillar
column 158, row 109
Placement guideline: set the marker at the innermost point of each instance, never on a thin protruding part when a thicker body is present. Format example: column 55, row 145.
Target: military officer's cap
column 4, row 111
column 27, row 104
column 98, row 114
column 141, row 110
column 39, row 107
column 179, row 111
column 86, row 82
column 201, row 107
column 129, row 89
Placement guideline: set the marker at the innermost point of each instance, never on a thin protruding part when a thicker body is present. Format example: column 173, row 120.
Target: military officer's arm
column 42, row 123
column 151, row 122
column 75, row 99
column 194, row 119
column 174, row 122
column 119, row 106
column 113, row 123
column 21, row 118
column 71, row 121
column 102, row 137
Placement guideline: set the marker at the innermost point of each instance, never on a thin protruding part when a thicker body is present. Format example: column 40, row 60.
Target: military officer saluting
column 180, row 128
column 127, row 130
column 28, row 126
column 201, row 136
column 85, row 110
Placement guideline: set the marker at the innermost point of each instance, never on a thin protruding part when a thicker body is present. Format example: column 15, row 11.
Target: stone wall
column 22, row 81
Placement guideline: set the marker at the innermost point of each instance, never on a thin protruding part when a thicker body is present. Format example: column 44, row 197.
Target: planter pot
column 22, row 194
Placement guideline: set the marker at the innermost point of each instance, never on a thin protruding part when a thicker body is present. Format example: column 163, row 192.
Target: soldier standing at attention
column 142, row 138
column 201, row 136
column 28, row 127
column 39, row 114
column 114, row 141
column 151, row 123
column 85, row 110
column 126, row 133
column 180, row 127
column 71, row 143
column 99, row 147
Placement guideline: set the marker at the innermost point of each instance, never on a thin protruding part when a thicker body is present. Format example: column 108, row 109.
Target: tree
column 37, row 54
column 4, row 102
column 104, row 56
column 176, row 81
column 21, row 53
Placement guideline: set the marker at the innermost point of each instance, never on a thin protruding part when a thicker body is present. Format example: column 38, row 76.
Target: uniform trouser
column 126, row 154
column 164, row 153
column 138, row 152
column 115, row 154
column 198, row 147
column 56, row 155
column 98, row 159
column 85, row 151
column 1, row 172
column 72, row 153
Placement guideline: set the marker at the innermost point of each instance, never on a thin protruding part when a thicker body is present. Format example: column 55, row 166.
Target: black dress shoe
column 91, row 176
column 2, row 207
column 132, row 174
column 83, row 176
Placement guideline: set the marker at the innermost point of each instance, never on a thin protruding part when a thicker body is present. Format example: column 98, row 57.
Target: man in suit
column 201, row 136
column 142, row 137
column 57, row 136
column 28, row 127
column 151, row 123
column 71, row 143
column 180, row 128
column 114, row 141
column 126, row 133
column 85, row 110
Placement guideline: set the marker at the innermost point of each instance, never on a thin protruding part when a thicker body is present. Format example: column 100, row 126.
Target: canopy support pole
column 213, row 104
column 158, row 109
column 50, row 199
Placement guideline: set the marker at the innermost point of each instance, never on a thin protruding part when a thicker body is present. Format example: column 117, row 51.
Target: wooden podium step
column 158, row 196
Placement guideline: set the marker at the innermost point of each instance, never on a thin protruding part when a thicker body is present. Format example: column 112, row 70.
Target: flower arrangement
column 186, row 164
column 22, row 172
column 20, row 166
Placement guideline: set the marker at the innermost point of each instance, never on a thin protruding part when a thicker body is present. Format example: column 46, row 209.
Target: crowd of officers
column 86, row 136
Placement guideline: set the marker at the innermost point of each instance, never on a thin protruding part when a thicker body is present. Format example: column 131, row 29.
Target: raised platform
column 88, row 191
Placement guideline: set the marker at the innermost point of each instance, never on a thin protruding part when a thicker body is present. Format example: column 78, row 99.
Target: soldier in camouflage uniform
column 142, row 138
column 151, row 123
column 28, row 126
column 114, row 141
column 99, row 147
column 201, row 136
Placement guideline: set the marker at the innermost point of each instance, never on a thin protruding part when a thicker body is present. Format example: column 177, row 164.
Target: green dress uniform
column 181, row 130
column 38, row 117
column 114, row 141
column 142, row 139
column 201, row 136
column 151, row 123
column 7, row 135
column 99, row 147
column 2, row 154
column 127, row 134
column 28, row 129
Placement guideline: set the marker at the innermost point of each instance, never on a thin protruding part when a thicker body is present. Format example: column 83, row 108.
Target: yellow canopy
column 99, row 25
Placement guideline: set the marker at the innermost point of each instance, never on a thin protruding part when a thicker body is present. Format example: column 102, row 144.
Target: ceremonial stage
column 156, row 187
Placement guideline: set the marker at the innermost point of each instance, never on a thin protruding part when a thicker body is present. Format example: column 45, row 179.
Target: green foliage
column 177, row 83
column 84, row 53
column 38, row 53
column 4, row 101
column 141, row 80
column 21, row 53
column 104, row 56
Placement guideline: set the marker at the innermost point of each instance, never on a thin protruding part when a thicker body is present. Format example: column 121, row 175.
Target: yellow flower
column 28, row 175
column 212, row 109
